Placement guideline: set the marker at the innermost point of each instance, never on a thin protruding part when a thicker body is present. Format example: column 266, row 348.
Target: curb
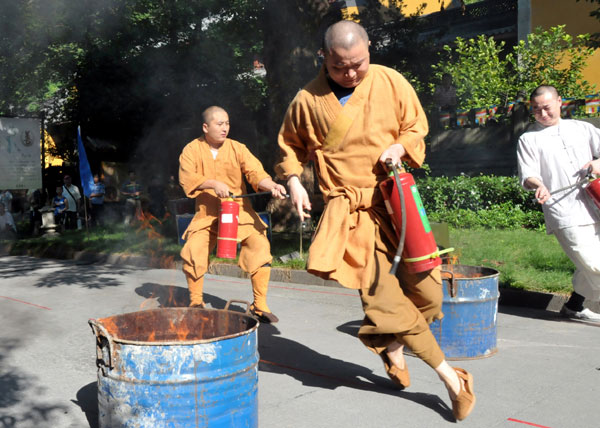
column 277, row 274
column 508, row 296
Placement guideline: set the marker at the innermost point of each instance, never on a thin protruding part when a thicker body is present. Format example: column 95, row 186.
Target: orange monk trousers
column 400, row 308
column 255, row 253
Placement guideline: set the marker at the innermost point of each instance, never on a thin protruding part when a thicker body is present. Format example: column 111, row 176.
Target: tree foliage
column 552, row 56
column 478, row 72
column 134, row 72
column 485, row 74
column 397, row 41
column 139, row 72
column 595, row 38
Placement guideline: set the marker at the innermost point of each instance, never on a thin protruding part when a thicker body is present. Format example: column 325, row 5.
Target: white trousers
column 582, row 246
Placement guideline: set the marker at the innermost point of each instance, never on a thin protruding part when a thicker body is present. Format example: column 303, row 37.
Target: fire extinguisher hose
column 251, row 195
column 398, row 255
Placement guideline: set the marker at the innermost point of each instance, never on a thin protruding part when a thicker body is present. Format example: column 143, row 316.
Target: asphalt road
column 313, row 372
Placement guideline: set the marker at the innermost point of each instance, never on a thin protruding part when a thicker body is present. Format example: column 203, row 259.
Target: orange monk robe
column 346, row 143
column 233, row 162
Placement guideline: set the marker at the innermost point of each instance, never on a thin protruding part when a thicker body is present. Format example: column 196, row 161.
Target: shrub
column 482, row 201
column 486, row 73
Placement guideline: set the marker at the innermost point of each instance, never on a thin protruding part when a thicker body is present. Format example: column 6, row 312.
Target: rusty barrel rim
column 100, row 330
column 490, row 274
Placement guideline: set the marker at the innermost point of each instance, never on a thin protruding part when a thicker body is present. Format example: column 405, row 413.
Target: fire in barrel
column 180, row 367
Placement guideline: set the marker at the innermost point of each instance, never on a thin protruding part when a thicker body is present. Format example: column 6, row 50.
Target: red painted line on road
column 314, row 291
column 337, row 379
column 27, row 303
column 223, row 280
column 293, row 288
column 527, row 423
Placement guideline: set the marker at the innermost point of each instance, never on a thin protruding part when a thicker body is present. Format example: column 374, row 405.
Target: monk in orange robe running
column 350, row 120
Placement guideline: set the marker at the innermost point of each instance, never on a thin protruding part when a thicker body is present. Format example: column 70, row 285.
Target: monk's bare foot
column 395, row 352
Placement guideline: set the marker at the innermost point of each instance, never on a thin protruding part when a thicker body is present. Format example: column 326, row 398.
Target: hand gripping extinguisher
column 416, row 246
column 591, row 186
column 228, row 226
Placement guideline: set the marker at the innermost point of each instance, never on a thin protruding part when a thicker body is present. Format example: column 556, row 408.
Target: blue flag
column 85, row 172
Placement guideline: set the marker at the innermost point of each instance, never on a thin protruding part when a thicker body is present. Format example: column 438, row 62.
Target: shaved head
column 543, row 89
column 546, row 105
column 344, row 35
column 207, row 114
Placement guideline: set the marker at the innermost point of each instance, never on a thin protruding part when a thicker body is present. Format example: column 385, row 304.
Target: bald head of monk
column 346, row 50
column 546, row 105
column 215, row 126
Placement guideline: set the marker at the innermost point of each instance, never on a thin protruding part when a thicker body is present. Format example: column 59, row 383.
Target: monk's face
column 217, row 129
column 546, row 108
column 348, row 67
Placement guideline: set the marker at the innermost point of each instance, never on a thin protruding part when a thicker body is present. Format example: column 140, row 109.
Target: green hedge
column 482, row 201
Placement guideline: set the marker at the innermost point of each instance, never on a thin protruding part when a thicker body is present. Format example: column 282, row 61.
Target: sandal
column 400, row 377
column 464, row 402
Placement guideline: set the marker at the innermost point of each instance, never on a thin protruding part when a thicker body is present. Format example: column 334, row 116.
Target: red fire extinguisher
column 593, row 191
column 417, row 243
column 228, row 226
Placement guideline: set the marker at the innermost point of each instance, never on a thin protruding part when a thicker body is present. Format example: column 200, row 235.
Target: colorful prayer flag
column 444, row 118
column 481, row 116
column 462, row 117
column 592, row 104
column 509, row 107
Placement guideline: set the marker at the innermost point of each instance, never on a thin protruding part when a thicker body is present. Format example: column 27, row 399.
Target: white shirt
column 7, row 220
column 555, row 155
column 72, row 202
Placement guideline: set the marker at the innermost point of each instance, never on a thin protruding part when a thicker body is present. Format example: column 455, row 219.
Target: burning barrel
column 470, row 306
column 179, row 367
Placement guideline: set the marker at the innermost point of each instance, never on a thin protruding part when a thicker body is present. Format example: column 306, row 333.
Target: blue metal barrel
column 182, row 222
column 265, row 216
column 470, row 306
column 177, row 367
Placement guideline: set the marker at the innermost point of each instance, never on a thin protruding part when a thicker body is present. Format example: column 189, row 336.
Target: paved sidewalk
column 313, row 372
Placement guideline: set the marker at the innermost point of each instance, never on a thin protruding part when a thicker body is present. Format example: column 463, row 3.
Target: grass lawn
column 526, row 259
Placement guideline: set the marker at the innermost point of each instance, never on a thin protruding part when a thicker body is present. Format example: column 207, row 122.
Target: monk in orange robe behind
column 350, row 120
column 210, row 168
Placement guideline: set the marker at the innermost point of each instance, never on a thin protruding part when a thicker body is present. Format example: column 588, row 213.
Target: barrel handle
column 244, row 302
column 104, row 354
column 452, row 287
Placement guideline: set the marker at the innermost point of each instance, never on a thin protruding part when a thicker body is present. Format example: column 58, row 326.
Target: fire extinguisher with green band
column 417, row 243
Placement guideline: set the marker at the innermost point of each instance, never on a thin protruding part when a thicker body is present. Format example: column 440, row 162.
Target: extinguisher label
column 420, row 208
column 226, row 218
